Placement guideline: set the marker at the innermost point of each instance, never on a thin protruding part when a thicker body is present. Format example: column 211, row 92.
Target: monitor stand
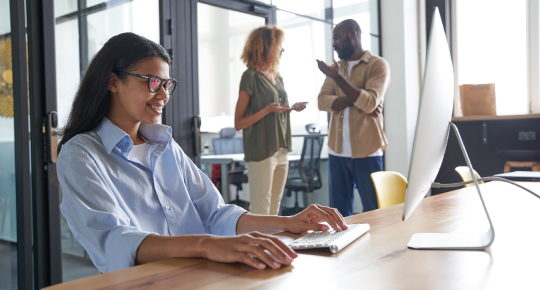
column 448, row 241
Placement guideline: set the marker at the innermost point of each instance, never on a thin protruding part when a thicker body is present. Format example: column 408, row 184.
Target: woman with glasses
column 262, row 111
column 131, row 195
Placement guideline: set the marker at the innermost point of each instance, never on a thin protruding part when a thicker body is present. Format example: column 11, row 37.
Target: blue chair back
column 228, row 145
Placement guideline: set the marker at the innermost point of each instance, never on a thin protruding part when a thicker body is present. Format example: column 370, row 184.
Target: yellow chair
column 390, row 187
column 465, row 174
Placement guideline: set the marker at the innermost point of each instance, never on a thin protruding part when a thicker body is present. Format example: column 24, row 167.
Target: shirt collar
column 111, row 136
column 365, row 58
column 156, row 133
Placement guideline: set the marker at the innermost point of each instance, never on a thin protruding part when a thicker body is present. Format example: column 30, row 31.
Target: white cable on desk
column 439, row 185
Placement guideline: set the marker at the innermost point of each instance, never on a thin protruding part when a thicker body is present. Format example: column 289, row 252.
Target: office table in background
column 225, row 160
column 380, row 259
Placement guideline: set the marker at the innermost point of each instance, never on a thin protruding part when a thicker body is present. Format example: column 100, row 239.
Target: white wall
column 401, row 47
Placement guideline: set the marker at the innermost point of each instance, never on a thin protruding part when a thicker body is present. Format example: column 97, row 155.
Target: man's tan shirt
column 372, row 76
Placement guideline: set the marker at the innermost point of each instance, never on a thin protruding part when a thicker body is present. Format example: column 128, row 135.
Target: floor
column 8, row 265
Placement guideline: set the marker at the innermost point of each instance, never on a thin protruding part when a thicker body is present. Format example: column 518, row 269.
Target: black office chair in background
column 227, row 143
column 305, row 175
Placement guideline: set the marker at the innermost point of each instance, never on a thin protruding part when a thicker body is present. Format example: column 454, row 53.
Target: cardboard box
column 478, row 99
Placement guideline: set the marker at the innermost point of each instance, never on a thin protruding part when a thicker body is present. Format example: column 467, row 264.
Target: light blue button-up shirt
column 112, row 202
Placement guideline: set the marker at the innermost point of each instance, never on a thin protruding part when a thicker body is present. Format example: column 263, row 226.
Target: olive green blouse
column 273, row 131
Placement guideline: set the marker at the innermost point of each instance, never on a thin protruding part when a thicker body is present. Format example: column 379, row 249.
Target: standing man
column 354, row 93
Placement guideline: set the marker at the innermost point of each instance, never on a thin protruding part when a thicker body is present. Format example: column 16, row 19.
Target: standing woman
column 262, row 111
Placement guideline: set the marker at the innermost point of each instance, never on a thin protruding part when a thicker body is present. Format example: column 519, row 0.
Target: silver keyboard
column 336, row 241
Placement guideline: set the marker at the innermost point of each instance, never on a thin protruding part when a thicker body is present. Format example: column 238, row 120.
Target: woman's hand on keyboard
column 311, row 217
column 244, row 248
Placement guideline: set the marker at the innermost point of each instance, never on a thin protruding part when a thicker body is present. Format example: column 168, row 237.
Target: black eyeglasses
column 155, row 82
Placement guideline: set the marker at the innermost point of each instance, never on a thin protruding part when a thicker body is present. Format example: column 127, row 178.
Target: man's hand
column 311, row 217
column 377, row 111
column 243, row 249
column 330, row 71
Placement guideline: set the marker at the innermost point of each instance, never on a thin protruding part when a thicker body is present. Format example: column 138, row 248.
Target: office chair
column 465, row 174
column 227, row 143
column 305, row 176
column 390, row 187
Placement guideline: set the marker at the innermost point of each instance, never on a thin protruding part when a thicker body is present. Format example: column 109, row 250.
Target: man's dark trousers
column 345, row 174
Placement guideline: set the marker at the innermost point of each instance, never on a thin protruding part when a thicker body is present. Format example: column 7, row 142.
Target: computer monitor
column 430, row 140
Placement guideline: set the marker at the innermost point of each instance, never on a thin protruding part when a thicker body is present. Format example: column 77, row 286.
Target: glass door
column 82, row 28
column 8, row 217
column 222, row 31
column 222, row 34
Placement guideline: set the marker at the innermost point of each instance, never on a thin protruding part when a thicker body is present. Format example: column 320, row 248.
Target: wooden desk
column 380, row 259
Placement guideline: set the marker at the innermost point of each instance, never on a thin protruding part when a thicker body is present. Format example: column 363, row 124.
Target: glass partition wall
column 306, row 39
column 308, row 36
column 308, row 27
column 222, row 34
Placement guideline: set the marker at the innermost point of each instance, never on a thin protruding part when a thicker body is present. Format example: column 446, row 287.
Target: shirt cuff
column 122, row 248
column 231, row 215
column 327, row 102
column 365, row 102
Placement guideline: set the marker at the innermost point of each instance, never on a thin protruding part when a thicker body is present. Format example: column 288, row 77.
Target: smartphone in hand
column 295, row 105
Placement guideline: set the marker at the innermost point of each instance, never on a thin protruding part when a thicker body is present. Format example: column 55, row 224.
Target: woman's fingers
column 249, row 260
column 259, row 252
column 316, row 227
column 287, row 252
column 300, row 106
column 326, row 216
column 275, row 108
column 268, row 250
column 336, row 216
column 273, row 246
column 313, row 219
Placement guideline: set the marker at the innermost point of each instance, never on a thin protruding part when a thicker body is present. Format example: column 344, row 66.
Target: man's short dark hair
column 350, row 24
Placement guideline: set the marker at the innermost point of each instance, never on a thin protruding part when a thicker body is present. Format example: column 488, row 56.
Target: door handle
column 52, row 135
column 195, row 127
